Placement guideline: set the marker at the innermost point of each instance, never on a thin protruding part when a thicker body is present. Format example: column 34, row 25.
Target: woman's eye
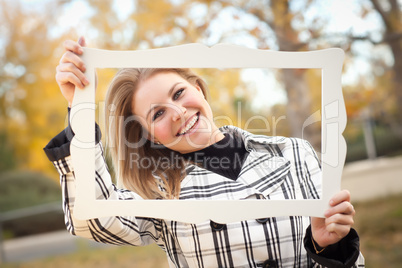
column 178, row 93
column 157, row 114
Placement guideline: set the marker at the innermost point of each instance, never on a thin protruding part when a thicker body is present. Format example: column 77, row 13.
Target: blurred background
column 32, row 110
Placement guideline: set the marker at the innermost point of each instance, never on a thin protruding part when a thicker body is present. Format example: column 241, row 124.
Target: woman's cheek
column 163, row 132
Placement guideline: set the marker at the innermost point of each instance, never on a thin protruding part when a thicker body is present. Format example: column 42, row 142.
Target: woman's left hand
column 337, row 222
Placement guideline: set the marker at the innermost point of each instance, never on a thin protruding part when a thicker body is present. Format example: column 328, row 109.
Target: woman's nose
column 178, row 112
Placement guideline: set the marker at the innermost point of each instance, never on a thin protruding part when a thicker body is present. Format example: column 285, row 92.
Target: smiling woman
column 166, row 145
column 175, row 110
column 161, row 111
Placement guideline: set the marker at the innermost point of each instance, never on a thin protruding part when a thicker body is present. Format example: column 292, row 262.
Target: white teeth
column 189, row 125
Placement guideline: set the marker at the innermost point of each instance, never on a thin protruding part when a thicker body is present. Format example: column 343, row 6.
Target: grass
column 122, row 257
column 379, row 224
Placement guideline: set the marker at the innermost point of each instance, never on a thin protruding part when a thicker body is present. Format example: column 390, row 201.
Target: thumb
column 81, row 41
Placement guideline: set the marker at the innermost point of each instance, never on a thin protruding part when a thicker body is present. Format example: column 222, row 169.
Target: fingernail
column 86, row 82
column 326, row 213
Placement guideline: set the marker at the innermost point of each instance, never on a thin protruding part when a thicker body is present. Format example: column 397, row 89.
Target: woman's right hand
column 70, row 71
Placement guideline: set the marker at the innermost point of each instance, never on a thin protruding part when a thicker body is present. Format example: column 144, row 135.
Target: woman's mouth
column 190, row 125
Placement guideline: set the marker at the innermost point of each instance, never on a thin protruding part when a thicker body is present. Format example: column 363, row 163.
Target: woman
column 166, row 114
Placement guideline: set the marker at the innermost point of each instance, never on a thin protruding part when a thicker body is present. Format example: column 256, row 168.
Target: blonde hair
column 128, row 138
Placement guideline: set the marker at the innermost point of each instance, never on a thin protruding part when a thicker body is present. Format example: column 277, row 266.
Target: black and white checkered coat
column 276, row 168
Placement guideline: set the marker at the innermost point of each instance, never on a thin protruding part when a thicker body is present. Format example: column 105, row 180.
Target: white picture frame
column 333, row 122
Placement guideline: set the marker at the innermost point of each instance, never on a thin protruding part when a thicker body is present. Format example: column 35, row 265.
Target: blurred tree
column 295, row 80
column 160, row 23
column 385, row 74
column 30, row 110
column 377, row 97
column 164, row 23
column 275, row 19
column 283, row 25
column 390, row 12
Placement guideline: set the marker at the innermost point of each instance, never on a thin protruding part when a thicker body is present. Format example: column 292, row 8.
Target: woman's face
column 175, row 113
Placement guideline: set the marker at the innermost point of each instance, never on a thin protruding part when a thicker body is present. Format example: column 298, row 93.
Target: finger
column 338, row 229
column 68, row 79
column 64, row 78
column 340, row 219
column 69, row 67
column 81, row 41
column 345, row 208
column 75, row 47
column 70, row 57
column 340, row 197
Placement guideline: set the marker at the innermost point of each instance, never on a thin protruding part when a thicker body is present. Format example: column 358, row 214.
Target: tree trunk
column 396, row 48
column 296, row 86
column 392, row 20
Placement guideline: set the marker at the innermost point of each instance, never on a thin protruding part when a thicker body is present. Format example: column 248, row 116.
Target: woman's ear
column 198, row 87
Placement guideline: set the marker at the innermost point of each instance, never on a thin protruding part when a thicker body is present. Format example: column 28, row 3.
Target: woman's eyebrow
column 172, row 88
column 170, row 93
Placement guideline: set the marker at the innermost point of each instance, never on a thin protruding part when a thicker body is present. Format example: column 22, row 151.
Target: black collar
column 225, row 157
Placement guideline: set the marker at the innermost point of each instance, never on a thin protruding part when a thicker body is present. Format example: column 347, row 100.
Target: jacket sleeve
column 111, row 230
column 345, row 253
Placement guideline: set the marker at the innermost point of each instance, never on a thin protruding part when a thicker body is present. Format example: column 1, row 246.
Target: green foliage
column 7, row 157
column 386, row 142
column 23, row 189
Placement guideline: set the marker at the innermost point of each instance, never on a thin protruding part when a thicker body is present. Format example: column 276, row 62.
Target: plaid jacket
column 276, row 168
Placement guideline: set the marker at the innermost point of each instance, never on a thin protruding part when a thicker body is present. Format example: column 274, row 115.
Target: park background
column 32, row 110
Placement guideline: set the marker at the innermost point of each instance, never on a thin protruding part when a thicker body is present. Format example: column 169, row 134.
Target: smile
column 190, row 125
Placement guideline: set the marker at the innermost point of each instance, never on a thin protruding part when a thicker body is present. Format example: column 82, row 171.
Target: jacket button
column 263, row 220
column 269, row 264
column 217, row 226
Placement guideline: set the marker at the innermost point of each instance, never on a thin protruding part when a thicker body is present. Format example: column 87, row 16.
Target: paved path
column 371, row 179
column 365, row 180
column 40, row 246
